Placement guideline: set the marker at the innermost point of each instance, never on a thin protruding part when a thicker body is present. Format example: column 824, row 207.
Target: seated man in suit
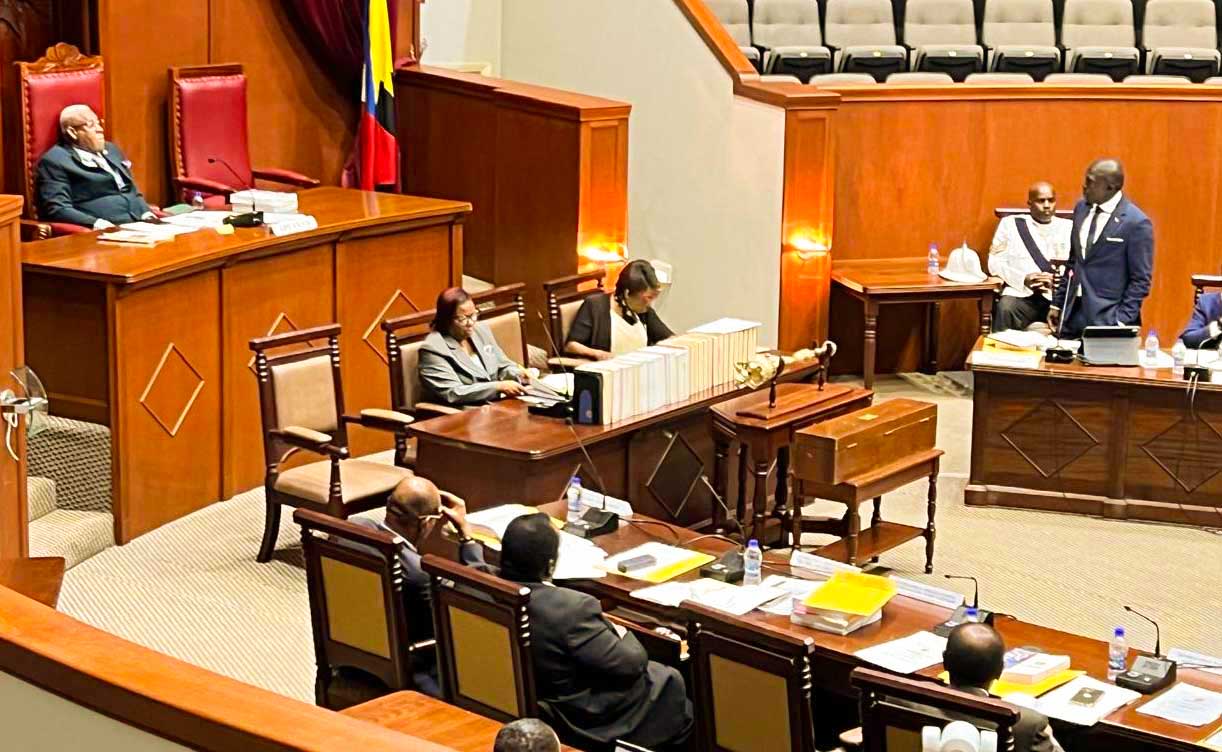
column 526, row 735
column 1111, row 256
column 1205, row 328
column 84, row 180
column 975, row 657
column 595, row 677
column 460, row 361
column 412, row 512
column 1021, row 254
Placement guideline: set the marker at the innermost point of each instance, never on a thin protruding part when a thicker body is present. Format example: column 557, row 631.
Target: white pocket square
column 1115, row 240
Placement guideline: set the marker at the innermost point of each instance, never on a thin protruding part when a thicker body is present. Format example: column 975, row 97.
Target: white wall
column 462, row 32
column 705, row 168
column 35, row 720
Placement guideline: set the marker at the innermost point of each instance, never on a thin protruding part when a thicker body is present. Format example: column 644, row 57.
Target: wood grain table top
column 900, row 276
column 338, row 210
column 38, row 579
column 795, row 403
column 430, row 719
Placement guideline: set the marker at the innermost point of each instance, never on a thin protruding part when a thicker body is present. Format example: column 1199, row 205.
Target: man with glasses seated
column 85, row 180
column 460, row 361
column 413, row 511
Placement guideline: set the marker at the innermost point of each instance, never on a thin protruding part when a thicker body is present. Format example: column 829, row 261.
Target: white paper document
column 579, row 559
column 498, row 518
column 198, row 219
column 738, row 599
column 928, row 593
column 1005, row 359
column 1214, row 742
column 819, row 565
column 1056, row 704
column 793, row 588
column 673, row 593
column 908, row 654
column 1185, row 703
column 1198, row 661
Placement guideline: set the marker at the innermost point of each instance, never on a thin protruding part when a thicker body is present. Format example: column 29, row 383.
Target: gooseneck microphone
column 975, row 586
column 1158, row 638
column 1060, row 353
column 227, row 166
column 1065, row 302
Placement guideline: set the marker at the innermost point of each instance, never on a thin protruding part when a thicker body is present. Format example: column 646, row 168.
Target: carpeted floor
column 193, row 590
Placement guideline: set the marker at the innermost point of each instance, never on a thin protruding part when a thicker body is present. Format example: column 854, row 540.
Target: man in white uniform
column 1023, row 248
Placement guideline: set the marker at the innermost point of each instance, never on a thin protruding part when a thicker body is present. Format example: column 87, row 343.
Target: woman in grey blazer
column 460, row 361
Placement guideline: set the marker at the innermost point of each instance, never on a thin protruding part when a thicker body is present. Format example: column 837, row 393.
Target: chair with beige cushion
column 483, row 641
column 503, row 311
column 751, row 684
column 1099, row 37
column 942, row 36
column 301, row 400
column 1021, row 37
column 1181, row 38
column 735, row 15
column 861, row 34
column 404, row 338
column 894, row 710
column 362, row 646
column 788, row 30
column 564, row 296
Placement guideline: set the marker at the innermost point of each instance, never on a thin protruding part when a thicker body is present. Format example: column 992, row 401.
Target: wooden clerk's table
column 879, row 282
column 1122, row 731
column 1125, row 443
column 153, row 341
column 500, row 453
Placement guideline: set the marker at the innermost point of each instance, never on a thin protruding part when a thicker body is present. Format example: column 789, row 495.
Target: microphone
column 1060, row 353
column 730, row 524
column 547, row 331
column 975, row 584
column 1158, row 639
column 227, row 166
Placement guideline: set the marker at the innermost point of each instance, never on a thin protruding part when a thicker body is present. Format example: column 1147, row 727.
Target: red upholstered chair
column 63, row 76
column 208, row 122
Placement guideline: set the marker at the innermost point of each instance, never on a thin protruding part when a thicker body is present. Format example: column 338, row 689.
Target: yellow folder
column 1001, row 688
column 853, row 593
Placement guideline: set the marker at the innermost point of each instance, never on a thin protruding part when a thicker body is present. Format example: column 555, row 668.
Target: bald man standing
column 1111, row 258
column 1023, row 249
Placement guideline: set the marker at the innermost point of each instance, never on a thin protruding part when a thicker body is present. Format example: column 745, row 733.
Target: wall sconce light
column 604, row 252
column 806, row 246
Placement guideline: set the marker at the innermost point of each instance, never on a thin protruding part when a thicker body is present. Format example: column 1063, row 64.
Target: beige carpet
column 193, row 590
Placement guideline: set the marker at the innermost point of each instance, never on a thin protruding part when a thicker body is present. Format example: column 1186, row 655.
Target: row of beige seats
column 987, row 79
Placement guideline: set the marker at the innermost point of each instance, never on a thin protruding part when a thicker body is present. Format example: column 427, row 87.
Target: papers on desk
column 1160, row 360
column 906, row 655
column 591, row 499
column 818, row 565
column 498, row 518
column 1006, row 359
column 928, row 593
column 1056, row 704
column 198, row 219
column 853, row 593
column 578, row 559
column 1185, row 703
column 673, row 593
column 560, row 383
column 1021, row 340
column 163, row 230
column 672, row 561
column 131, row 237
column 1214, row 742
column 737, row 600
column 1189, row 659
column 254, row 199
column 793, row 588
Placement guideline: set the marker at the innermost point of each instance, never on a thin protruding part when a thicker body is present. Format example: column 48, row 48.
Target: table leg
column 870, row 344
column 795, row 520
column 781, row 508
column 759, row 497
column 877, row 517
column 743, row 466
column 721, row 472
column 985, row 305
column 930, row 531
column 933, row 319
column 853, row 520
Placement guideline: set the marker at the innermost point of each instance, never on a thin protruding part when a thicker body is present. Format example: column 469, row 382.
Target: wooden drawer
column 840, row 448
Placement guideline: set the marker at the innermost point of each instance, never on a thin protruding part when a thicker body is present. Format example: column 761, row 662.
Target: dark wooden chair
column 894, row 709
column 301, row 399
column 483, row 641
column 503, row 311
column 564, row 296
column 1203, row 282
column 362, row 646
column 404, row 338
column 751, row 684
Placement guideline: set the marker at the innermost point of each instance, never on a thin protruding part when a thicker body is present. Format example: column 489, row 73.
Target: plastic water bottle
column 197, row 201
column 971, row 615
column 1178, row 353
column 1117, row 655
column 1151, row 348
column 934, row 265
column 753, row 563
column 574, row 499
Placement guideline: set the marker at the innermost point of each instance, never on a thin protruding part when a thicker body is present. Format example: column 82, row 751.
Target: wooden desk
column 432, row 720
column 38, row 579
column 879, row 282
column 1123, row 731
column 153, row 341
column 798, row 406
column 524, row 458
column 1118, row 442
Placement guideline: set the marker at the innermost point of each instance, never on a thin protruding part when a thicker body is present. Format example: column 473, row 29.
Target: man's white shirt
column 1008, row 256
column 1106, row 209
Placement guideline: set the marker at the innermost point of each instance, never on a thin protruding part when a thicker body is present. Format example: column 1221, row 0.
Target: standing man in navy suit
column 1111, row 256
column 1206, row 326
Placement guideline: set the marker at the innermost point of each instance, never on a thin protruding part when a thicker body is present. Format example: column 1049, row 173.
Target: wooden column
column 13, row 512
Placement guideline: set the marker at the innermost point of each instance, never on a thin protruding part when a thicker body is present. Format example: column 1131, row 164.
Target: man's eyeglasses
column 93, row 125
column 464, row 320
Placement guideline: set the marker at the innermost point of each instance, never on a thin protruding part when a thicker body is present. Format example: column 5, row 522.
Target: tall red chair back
column 63, row 76
column 208, row 108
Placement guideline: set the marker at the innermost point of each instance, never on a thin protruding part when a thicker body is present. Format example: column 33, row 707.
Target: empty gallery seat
column 736, row 17
column 1021, row 37
column 1074, row 79
column 1098, row 37
column 843, row 79
column 988, row 79
column 942, row 35
column 788, row 30
column 862, row 33
column 1181, row 38
column 1151, row 80
column 779, row 78
column 922, row 79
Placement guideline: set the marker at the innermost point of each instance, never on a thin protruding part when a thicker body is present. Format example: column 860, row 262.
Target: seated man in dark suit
column 412, row 512
column 83, row 180
column 1205, row 328
column 596, row 678
column 975, row 657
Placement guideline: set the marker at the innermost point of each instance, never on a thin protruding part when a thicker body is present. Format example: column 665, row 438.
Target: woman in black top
column 609, row 325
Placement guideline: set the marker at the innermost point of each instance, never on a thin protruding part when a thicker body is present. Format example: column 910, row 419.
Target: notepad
column 854, row 593
column 672, row 561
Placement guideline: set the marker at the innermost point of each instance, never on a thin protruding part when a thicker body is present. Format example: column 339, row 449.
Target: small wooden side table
column 38, row 579
column 766, row 433
column 854, row 545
